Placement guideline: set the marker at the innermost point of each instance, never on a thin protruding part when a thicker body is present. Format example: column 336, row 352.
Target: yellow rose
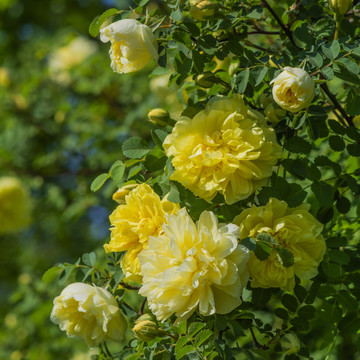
column 133, row 45
column 88, row 312
column 293, row 89
column 69, row 56
column 15, row 207
column 340, row 7
column 293, row 228
column 142, row 215
column 225, row 149
column 4, row 77
column 193, row 266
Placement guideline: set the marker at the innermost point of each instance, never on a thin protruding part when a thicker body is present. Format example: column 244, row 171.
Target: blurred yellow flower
column 69, row 56
column 225, row 149
column 193, row 266
column 88, row 312
column 15, row 205
column 293, row 89
column 133, row 45
column 293, row 228
column 142, row 215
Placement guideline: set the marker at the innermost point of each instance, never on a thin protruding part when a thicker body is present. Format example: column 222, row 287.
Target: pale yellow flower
column 15, row 205
column 226, row 149
column 69, row 56
column 88, row 312
column 142, row 215
column 293, row 228
column 293, row 89
column 133, row 45
column 193, row 266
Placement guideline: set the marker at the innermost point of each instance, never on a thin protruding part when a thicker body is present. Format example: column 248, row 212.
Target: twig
column 127, row 286
column 278, row 20
column 337, row 105
column 248, row 43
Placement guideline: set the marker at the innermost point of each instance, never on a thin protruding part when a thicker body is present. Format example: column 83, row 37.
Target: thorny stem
column 129, row 287
column 141, row 311
column 278, row 20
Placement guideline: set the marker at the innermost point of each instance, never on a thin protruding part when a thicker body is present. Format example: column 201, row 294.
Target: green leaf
column 316, row 59
column 300, row 292
column 183, row 351
column 336, row 127
column 95, row 25
column 260, row 296
column 290, row 302
column 347, row 301
column 336, row 143
column 117, row 172
column 266, row 237
column 262, row 250
column 343, row 204
column 242, row 80
column 332, row 271
column 194, row 328
column 286, row 256
column 160, row 70
column 99, row 182
column 325, row 161
column 336, row 242
column 51, row 274
column 350, row 65
column 353, row 149
column 297, row 145
column 338, row 256
column 202, row 337
column 135, row 148
column 281, row 313
column 324, row 193
column 249, row 243
column 328, row 72
column 89, row 259
column 307, row 312
column 155, row 160
column 331, row 51
column 350, row 324
column 174, row 195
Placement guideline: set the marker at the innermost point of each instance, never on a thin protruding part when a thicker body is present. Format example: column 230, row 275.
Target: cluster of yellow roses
column 183, row 265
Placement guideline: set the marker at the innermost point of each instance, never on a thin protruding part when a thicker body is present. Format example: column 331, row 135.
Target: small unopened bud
column 356, row 121
column 273, row 114
column 145, row 328
column 340, row 7
column 159, row 117
column 290, row 343
column 206, row 80
column 4, row 77
column 203, row 10
column 119, row 196
column 271, row 62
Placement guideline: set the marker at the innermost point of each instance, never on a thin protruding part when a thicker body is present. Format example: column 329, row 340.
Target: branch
column 278, row 20
column 337, row 105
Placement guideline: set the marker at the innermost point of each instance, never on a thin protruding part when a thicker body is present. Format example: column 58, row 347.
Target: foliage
column 65, row 143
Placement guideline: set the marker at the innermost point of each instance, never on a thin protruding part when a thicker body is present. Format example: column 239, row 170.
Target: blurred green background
column 63, row 117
